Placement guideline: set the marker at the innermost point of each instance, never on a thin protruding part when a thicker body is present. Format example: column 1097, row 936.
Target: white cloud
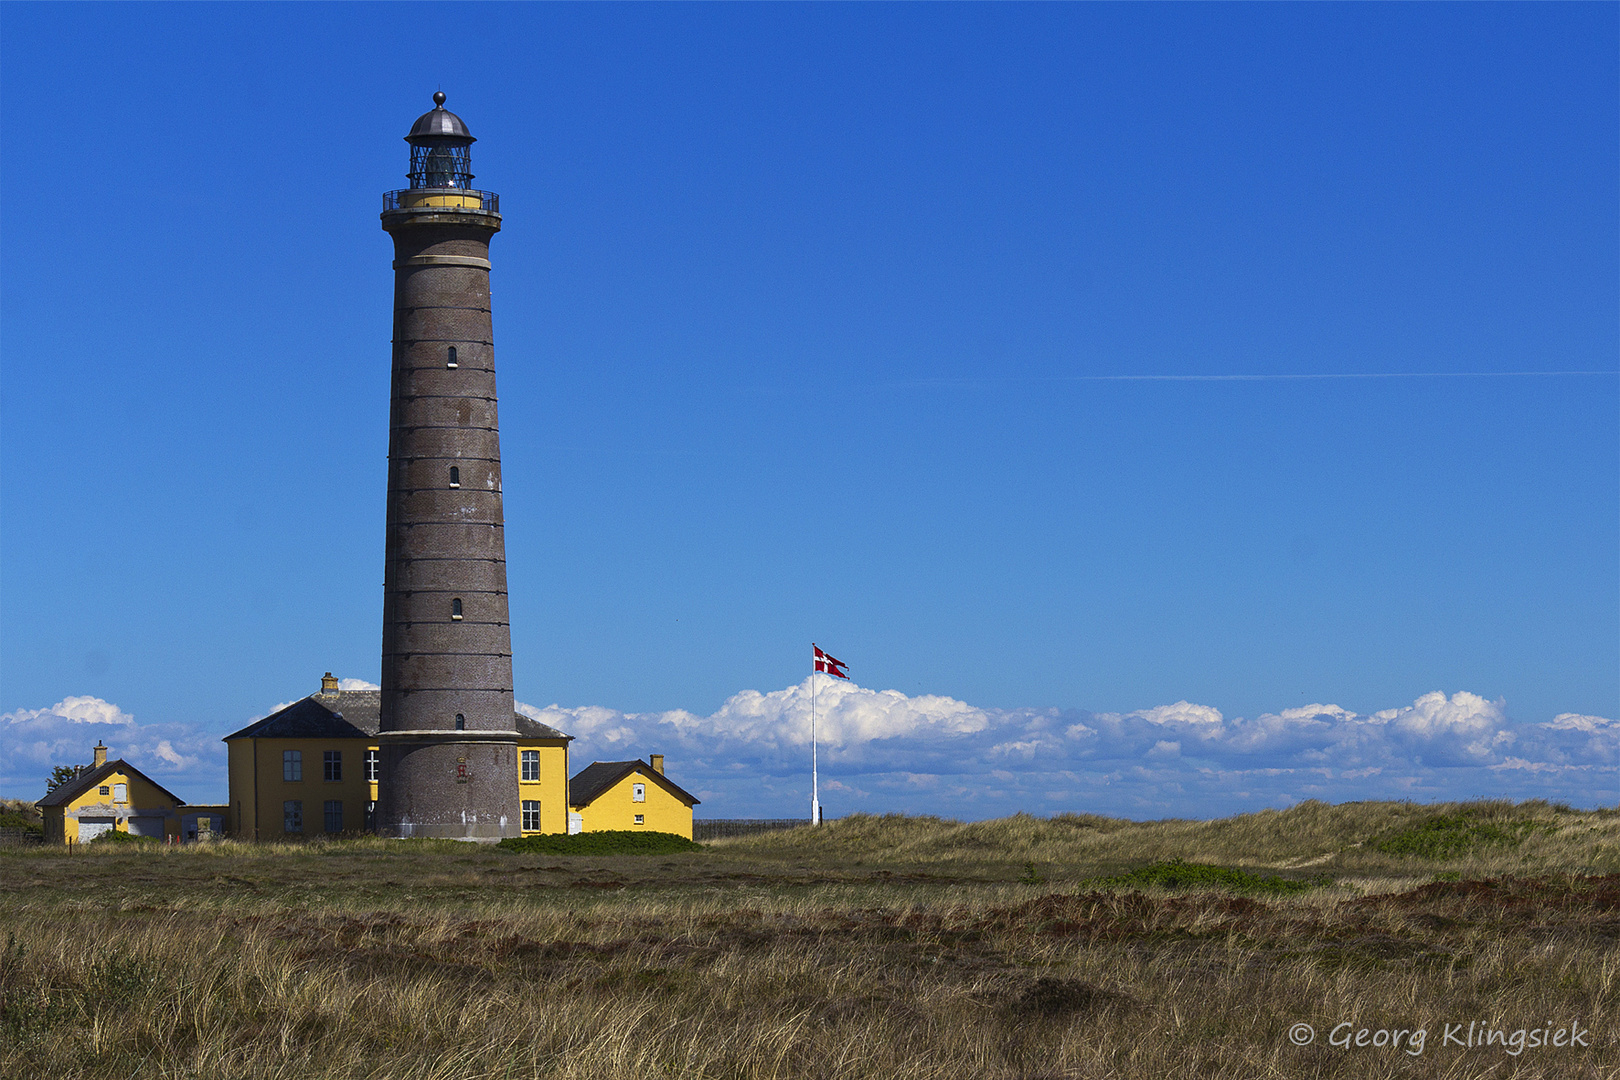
column 1184, row 758
column 36, row 740
column 356, row 684
column 883, row 750
column 72, row 710
column 1576, row 722
column 1182, row 712
column 165, row 751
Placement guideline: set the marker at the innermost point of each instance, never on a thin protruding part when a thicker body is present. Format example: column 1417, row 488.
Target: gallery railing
column 450, row 199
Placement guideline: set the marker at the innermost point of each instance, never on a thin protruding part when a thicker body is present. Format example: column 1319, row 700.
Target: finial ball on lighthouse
column 438, row 98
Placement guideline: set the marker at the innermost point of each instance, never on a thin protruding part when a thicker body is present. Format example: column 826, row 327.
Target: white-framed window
column 373, row 765
column 641, row 819
column 292, row 764
column 332, row 763
column 334, row 815
column 120, row 793
column 292, row 815
column 638, row 793
column 531, row 815
column 531, row 764
column 105, row 790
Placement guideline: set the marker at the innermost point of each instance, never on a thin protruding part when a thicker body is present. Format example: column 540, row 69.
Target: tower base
column 458, row 788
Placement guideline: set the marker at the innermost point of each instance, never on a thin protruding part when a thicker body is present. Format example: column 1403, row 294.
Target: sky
column 1164, row 409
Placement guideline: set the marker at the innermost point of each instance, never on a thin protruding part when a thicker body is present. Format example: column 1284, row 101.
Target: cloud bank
column 882, row 750
column 182, row 757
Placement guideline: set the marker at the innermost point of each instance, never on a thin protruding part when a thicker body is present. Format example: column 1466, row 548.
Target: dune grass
column 1362, row 838
column 880, row 947
column 605, row 842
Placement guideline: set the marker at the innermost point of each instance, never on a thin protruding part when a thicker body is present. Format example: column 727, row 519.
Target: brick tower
column 448, row 762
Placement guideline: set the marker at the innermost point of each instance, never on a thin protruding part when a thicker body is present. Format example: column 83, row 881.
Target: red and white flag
column 828, row 664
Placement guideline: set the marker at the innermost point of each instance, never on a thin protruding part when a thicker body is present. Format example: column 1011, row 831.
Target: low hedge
column 607, row 842
column 113, row 836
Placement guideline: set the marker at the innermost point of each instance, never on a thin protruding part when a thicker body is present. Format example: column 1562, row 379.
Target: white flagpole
column 815, row 779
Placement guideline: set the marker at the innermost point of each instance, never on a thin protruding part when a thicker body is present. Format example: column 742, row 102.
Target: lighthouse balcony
column 445, row 198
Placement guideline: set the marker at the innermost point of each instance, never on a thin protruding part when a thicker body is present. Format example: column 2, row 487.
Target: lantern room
column 441, row 149
column 441, row 165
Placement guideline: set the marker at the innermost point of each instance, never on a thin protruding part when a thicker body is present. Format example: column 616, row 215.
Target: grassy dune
column 887, row 947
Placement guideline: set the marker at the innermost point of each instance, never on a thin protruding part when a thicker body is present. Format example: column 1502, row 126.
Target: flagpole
column 815, row 778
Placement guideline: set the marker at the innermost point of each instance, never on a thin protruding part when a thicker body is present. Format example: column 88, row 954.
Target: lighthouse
column 448, row 763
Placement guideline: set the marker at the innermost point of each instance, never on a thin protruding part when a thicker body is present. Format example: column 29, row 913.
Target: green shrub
column 1177, row 874
column 1448, row 836
column 9, row 820
column 113, row 836
column 607, row 842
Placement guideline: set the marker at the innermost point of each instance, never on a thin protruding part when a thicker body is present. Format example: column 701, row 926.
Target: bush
column 607, row 842
column 1448, row 836
column 113, row 836
column 9, row 820
column 1176, row 874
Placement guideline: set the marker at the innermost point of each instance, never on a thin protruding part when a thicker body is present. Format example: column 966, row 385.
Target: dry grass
column 874, row 947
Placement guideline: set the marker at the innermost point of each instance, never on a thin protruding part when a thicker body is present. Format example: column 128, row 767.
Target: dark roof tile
column 598, row 776
column 85, row 781
column 351, row 714
column 309, row 718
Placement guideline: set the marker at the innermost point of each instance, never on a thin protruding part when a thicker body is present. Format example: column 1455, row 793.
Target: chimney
column 101, row 754
column 329, row 685
column 657, row 763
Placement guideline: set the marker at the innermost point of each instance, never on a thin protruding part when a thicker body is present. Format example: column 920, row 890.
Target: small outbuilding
column 110, row 796
column 629, row 795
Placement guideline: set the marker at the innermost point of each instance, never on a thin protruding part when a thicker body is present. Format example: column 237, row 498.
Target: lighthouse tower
column 448, row 761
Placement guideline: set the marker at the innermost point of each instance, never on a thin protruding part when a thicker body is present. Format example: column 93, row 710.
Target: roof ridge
column 93, row 776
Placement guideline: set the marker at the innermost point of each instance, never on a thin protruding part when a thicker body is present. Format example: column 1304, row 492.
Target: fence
column 720, row 828
column 10, row 835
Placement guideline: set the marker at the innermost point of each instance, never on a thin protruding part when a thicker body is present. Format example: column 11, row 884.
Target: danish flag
column 829, row 665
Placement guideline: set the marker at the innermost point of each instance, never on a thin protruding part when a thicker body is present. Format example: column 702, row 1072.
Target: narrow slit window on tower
column 455, row 476
column 455, row 608
column 450, row 358
column 461, row 722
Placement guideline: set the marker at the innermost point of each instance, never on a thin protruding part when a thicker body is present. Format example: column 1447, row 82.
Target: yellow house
column 630, row 795
column 110, row 796
column 311, row 768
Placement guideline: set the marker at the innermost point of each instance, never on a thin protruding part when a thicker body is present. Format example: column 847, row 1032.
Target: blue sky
column 826, row 323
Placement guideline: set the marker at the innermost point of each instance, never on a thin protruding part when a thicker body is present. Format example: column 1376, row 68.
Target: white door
column 92, row 827
column 146, row 826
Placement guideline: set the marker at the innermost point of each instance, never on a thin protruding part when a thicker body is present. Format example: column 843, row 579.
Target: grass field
column 873, row 947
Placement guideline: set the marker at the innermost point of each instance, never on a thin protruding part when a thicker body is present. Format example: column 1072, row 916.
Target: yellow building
column 110, row 796
column 629, row 795
column 311, row 768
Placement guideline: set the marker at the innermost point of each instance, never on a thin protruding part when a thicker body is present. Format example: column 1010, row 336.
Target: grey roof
column 319, row 716
column 440, row 126
column 531, row 728
column 85, row 781
column 351, row 714
column 598, row 776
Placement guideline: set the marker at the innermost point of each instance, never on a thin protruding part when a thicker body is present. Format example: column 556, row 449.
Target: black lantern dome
column 440, row 154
